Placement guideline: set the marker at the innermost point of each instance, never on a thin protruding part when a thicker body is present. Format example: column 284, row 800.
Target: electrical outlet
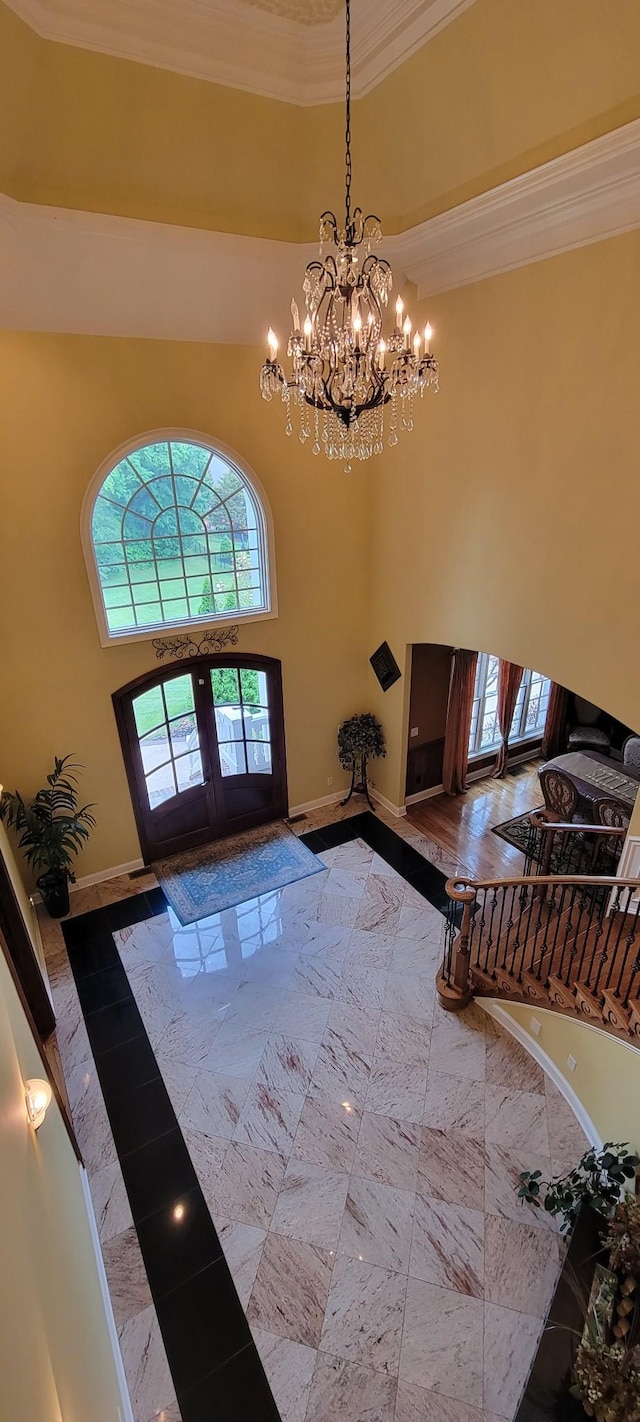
column 571, row 1063
column 329, row 780
column 536, row 1026
column 415, row 731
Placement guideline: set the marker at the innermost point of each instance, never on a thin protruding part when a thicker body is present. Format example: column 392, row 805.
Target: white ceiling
column 283, row 49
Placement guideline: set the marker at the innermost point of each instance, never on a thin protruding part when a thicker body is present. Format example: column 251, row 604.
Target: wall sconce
column 37, row 1096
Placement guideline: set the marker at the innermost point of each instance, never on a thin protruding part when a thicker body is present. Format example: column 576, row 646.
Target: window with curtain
column 178, row 535
column 528, row 717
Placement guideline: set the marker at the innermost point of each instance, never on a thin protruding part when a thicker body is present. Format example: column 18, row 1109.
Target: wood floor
column 463, row 823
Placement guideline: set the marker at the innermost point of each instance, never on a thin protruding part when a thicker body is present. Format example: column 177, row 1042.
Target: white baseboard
column 396, row 810
column 424, row 795
column 497, row 1011
column 316, row 804
column 86, row 880
column 125, row 1410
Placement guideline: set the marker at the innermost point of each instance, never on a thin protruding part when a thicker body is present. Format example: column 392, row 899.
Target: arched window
column 175, row 533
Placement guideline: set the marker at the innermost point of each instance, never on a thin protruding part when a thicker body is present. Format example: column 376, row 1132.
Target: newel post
column 454, row 981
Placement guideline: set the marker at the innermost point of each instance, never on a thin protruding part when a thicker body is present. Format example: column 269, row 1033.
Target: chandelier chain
column 348, row 121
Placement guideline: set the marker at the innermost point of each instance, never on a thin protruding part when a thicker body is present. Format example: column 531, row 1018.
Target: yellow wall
column 56, row 1362
column 508, row 520
column 7, row 854
column 607, row 1073
column 504, row 87
column 67, row 402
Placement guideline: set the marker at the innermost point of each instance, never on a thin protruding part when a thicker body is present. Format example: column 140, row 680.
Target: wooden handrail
column 537, row 818
column 464, row 890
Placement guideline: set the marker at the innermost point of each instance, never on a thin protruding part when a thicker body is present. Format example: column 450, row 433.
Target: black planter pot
column 55, row 894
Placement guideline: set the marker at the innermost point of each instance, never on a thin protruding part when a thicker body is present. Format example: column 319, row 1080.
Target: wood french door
column 203, row 745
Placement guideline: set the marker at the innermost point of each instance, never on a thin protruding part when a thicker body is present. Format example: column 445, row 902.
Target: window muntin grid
column 168, row 739
column 530, row 709
column 177, row 536
column 241, row 702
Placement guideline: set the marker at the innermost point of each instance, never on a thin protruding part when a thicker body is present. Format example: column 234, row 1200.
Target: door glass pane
column 154, row 749
column 189, row 770
column 160, row 785
column 256, row 723
column 225, row 687
column 259, row 757
column 184, row 734
column 228, row 723
column 254, row 687
column 232, row 758
column 148, row 710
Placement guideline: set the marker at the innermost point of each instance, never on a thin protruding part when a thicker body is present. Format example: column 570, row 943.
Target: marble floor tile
column 126, row 1275
column 327, row 1133
column 338, row 909
column 402, row 1039
column 415, row 1404
column 409, row 996
column 242, row 1245
column 178, row 1079
column 290, row 1292
column 458, row 1042
column 289, row 1367
column 567, row 1140
column 110, row 1201
column 157, row 997
column 447, row 1246
column 207, row 1155
column 378, row 909
column 236, row 1051
column 145, row 1364
column 510, row 1342
column 329, row 943
column 451, row 1168
column 453, row 1103
column 376, row 1228
column 371, row 950
column 349, row 882
column 287, row 1064
column 509, row 1064
column 214, row 1104
column 317, row 974
column 269, row 1119
column 188, row 1039
column 397, row 1090
column 248, row 1183
column 363, row 1321
column 346, row 1053
column 361, row 986
column 388, row 1151
column 90, row 1120
column 442, row 1342
column 311, row 1204
column 345, row 1392
column 301, row 1015
column 171, row 1413
column 254, row 1006
column 418, row 955
column 522, row 1265
column 516, row 1120
column 502, row 1170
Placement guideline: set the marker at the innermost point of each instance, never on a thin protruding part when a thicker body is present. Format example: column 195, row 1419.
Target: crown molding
column 585, row 196
column 68, row 271
column 232, row 43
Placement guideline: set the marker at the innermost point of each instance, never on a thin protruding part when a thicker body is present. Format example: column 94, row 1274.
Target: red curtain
column 456, row 742
column 554, row 726
column 509, row 678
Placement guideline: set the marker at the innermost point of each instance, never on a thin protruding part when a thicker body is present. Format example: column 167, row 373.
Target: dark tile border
column 214, row 1362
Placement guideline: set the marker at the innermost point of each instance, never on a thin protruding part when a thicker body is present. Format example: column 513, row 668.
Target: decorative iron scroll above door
column 186, row 646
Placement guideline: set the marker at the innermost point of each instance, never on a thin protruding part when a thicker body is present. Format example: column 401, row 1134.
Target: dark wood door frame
column 22, row 955
column 214, row 781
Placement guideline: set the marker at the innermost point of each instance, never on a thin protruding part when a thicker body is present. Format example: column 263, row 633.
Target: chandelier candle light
column 343, row 371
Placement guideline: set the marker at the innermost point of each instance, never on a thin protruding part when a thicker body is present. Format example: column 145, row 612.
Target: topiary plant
column 360, row 739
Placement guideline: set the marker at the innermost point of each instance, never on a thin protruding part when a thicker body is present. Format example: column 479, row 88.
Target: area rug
column 218, row 876
column 566, row 858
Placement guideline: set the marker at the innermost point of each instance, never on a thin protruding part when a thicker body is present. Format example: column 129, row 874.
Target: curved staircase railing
column 566, row 941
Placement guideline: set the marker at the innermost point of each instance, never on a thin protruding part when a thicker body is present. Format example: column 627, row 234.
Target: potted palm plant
column 51, row 829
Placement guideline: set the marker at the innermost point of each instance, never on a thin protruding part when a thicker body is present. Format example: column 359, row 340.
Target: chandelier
column 343, row 371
